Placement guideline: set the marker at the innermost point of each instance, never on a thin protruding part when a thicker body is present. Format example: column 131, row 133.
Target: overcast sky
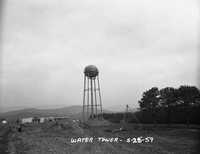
column 136, row 44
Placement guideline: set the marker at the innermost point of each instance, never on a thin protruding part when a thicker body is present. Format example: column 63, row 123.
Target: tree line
column 166, row 105
column 185, row 100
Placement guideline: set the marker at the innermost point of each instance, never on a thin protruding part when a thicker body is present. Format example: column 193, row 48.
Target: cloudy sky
column 136, row 44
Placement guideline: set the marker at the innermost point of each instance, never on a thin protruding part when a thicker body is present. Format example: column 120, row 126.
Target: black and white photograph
column 99, row 76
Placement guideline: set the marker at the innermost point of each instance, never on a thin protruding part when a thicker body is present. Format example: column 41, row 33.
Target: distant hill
column 71, row 111
column 31, row 112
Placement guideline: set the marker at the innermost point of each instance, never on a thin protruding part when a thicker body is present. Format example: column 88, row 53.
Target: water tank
column 91, row 71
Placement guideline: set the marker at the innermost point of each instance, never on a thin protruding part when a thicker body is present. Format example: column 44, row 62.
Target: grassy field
column 55, row 138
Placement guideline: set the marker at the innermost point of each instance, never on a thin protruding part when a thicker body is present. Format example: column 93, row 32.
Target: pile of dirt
column 76, row 128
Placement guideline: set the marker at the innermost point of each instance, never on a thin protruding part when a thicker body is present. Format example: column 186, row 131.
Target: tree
column 169, row 97
column 149, row 101
column 189, row 96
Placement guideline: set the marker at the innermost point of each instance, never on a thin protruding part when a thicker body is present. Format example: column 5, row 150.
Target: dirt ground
column 55, row 138
column 4, row 139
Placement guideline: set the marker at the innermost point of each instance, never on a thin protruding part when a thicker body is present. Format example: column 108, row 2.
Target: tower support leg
column 95, row 96
column 88, row 97
column 84, row 90
column 92, row 105
column 100, row 97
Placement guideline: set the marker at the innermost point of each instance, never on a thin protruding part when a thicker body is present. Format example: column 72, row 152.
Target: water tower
column 92, row 104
